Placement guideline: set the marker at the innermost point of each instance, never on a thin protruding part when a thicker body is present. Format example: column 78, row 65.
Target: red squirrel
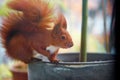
column 26, row 28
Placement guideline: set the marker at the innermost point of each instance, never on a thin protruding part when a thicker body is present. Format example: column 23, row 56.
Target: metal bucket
column 98, row 67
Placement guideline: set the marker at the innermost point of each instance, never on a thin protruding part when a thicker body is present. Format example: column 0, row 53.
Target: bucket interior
column 74, row 57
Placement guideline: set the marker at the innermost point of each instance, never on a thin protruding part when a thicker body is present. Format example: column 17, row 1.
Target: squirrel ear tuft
column 62, row 21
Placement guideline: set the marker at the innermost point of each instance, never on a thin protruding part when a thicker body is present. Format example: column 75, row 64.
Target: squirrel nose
column 70, row 44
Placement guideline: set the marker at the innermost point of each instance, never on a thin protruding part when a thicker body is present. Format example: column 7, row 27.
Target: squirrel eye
column 63, row 37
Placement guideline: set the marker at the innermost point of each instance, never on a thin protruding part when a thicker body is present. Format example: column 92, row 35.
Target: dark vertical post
column 104, row 24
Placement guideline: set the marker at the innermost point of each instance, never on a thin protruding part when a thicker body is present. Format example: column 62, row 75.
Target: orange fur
column 26, row 30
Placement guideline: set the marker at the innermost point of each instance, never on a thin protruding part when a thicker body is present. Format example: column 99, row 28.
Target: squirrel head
column 60, row 35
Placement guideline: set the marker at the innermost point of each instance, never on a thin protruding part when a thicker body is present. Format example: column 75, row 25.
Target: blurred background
column 72, row 9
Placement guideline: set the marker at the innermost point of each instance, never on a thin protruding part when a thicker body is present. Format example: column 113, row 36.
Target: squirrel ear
column 62, row 21
column 56, row 31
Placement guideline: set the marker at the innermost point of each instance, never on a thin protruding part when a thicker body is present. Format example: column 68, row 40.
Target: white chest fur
column 52, row 49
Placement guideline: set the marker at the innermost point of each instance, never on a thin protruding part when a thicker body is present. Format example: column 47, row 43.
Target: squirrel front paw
column 53, row 59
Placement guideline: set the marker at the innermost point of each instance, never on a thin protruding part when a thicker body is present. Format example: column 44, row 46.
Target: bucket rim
column 79, row 63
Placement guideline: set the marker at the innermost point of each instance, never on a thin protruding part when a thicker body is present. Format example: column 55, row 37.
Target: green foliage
column 4, row 9
column 4, row 72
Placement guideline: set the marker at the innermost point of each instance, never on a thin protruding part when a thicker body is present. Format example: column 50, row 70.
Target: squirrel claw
column 55, row 61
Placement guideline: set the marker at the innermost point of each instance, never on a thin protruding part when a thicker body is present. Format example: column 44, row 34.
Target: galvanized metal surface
column 48, row 71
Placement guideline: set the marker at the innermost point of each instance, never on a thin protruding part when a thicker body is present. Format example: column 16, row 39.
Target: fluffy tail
column 34, row 10
column 28, row 14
